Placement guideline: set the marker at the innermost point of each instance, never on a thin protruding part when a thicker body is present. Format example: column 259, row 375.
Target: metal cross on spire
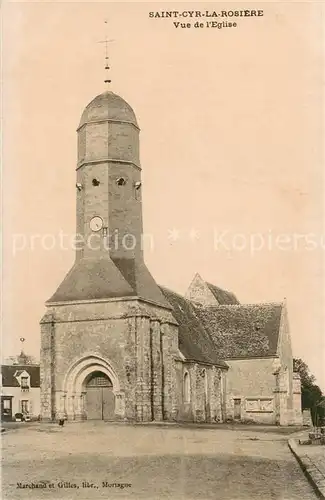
column 107, row 68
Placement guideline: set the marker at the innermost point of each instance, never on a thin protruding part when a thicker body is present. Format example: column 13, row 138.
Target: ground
column 175, row 462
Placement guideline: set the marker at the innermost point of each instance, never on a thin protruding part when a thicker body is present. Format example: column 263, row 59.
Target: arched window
column 187, row 388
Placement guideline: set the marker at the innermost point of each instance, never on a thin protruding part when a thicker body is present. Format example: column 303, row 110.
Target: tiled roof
column 8, row 374
column 92, row 279
column 138, row 276
column 103, row 278
column 108, row 106
column 243, row 331
column 194, row 341
column 223, row 296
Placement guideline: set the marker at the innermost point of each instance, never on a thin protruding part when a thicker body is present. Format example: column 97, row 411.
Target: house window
column 6, row 404
column 24, row 406
column 187, row 388
column 24, row 383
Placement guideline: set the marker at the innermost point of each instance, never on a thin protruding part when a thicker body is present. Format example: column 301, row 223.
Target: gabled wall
column 268, row 390
column 253, row 382
column 199, row 292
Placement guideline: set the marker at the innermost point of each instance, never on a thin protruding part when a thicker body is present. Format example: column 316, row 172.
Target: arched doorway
column 99, row 396
column 78, row 400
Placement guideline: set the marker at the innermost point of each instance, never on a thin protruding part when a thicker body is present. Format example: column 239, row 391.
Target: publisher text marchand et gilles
column 206, row 13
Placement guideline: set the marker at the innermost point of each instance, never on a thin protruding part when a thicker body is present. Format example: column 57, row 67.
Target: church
column 117, row 346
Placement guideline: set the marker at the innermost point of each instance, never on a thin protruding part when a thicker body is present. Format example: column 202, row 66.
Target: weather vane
column 107, row 68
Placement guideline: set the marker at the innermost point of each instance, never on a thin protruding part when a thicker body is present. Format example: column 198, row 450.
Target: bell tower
column 109, row 213
column 108, row 338
column 109, row 208
column 109, row 255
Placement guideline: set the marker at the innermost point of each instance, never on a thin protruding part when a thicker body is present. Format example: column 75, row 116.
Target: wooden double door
column 100, row 399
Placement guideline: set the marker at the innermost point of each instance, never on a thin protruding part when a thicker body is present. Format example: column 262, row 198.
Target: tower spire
column 22, row 358
column 22, row 340
column 107, row 80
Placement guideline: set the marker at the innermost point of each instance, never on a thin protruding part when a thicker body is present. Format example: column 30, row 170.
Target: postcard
column 163, row 228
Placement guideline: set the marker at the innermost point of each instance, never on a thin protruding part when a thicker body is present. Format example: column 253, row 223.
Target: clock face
column 96, row 223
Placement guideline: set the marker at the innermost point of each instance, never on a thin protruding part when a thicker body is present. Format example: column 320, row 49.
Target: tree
column 311, row 394
column 302, row 368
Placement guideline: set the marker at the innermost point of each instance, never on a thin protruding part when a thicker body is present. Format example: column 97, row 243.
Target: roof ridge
column 219, row 288
column 176, row 293
column 223, row 295
column 195, row 341
column 18, row 367
column 250, row 304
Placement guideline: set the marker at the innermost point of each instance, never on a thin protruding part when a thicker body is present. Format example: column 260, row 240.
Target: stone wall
column 306, row 418
column 135, row 346
column 252, row 381
column 265, row 390
column 102, row 140
column 143, row 370
column 47, row 360
column 156, row 370
column 119, row 207
column 137, row 342
column 140, row 346
column 289, row 396
column 285, row 356
column 205, row 402
column 297, row 410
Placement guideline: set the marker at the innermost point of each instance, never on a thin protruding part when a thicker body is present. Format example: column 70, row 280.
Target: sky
column 230, row 145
